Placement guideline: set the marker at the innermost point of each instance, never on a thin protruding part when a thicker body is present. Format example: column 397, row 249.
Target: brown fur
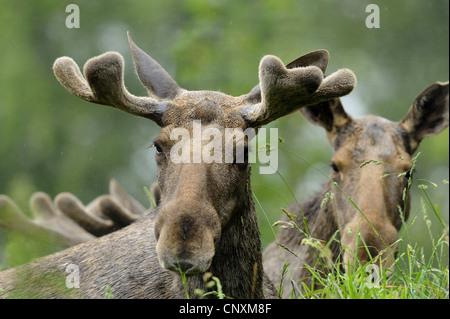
column 206, row 219
column 375, row 186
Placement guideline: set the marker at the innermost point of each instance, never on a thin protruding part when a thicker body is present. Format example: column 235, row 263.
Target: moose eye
column 157, row 147
column 334, row 167
column 409, row 174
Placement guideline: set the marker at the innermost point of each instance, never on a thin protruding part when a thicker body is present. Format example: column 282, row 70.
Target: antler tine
column 49, row 224
column 119, row 206
column 286, row 90
column 317, row 58
column 90, row 218
column 104, row 84
column 338, row 84
column 12, row 217
column 155, row 79
column 104, row 214
column 113, row 208
column 72, row 223
column 48, row 217
column 130, row 204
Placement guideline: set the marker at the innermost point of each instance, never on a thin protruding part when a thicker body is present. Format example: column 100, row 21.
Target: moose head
column 205, row 217
column 372, row 164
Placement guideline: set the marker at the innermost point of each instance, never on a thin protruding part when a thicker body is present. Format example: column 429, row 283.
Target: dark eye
column 334, row 167
column 409, row 174
column 157, row 147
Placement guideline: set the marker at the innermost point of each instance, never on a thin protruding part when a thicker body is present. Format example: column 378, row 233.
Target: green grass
column 420, row 273
column 414, row 277
column 210, row 282
column 417, row 275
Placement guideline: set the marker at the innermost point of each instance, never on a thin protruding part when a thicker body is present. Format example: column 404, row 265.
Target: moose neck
column 237, row 262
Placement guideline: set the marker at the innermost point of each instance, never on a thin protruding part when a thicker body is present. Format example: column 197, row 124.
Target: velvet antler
column 282, row 89
column 285, row 90
column 103, row 84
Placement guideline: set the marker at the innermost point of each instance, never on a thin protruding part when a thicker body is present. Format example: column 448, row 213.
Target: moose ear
column 328, row 114
column 428, row 115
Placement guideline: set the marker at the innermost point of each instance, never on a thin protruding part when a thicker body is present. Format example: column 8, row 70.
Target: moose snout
column 182, row 265
column 186, row 240
column 367, row 245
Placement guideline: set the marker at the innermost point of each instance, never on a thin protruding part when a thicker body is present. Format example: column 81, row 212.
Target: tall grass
column 416, row 275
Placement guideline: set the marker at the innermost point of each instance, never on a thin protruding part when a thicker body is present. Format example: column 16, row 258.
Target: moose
column 205, row 220
column 371, row 165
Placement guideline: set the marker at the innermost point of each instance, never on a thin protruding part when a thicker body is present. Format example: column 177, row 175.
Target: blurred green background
column 52, row 141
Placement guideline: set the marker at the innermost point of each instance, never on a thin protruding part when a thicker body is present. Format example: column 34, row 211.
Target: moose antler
column 157, row 81
column 67, row 221
column 285, row 89
column 104, row 214
column 48, row 222
column 104, row 85
column 282, row 89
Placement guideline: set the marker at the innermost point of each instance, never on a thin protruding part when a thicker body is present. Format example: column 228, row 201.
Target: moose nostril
column 184, row 266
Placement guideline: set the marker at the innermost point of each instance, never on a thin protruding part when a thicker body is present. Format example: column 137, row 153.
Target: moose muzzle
column 186, row 236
